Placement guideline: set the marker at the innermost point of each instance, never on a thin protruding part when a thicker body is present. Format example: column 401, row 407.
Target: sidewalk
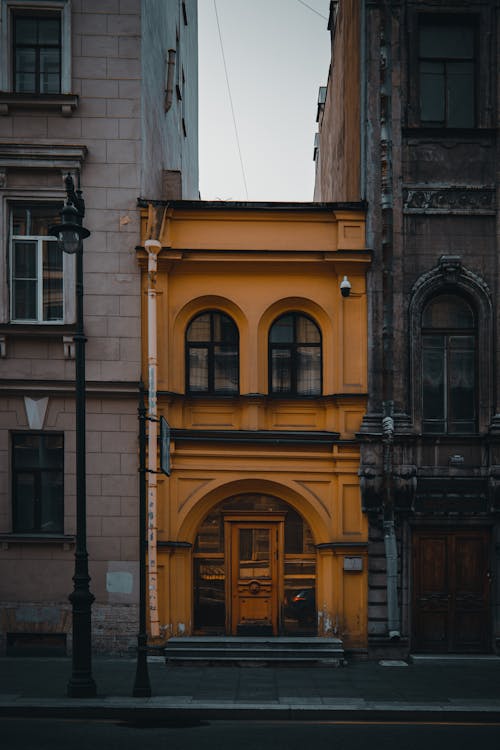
column 468, row 689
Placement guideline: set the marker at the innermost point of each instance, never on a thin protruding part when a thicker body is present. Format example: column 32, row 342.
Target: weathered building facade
column 415, row 133
column 257, row 528
column 105, row 91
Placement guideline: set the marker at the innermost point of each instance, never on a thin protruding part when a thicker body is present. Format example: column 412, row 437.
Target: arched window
column 449, row 366
column 212, row 354
column 295, row 356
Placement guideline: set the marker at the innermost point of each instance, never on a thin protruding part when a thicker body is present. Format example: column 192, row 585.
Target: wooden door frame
column 255, row 519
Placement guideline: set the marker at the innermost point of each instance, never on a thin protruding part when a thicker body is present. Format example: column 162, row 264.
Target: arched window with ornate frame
column 212, row 354
column 451, row 351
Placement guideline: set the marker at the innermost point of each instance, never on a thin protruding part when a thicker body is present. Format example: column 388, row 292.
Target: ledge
column 273, row 437
column 283, row 397
column 63, row 540
column 37, row 330
column 341, row 545
column 293, row 206
column 66, row 103
column 174, row 545
column 456, row 134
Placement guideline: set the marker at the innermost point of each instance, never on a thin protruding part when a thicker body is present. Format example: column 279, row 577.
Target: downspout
column 153, row 247
column 390, row 542
column 169, row 84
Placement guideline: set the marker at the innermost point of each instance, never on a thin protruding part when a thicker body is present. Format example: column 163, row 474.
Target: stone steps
column 261, row 650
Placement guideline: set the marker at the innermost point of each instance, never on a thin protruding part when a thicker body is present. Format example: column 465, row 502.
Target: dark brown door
column 451, row 591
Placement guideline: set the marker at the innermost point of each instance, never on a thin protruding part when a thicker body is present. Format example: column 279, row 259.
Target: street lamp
column 70, row 234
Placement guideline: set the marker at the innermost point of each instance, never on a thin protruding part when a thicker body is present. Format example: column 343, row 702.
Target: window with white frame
column 35, row 41
column 36, row 265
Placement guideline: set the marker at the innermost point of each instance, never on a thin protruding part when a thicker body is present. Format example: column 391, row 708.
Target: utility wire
column 313, row 9
column 231, row 102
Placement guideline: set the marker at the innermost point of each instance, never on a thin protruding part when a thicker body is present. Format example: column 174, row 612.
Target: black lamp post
column 142, row 685
column 71, row 234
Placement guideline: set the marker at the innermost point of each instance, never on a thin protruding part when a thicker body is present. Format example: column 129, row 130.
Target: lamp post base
column 142, row 686
column 82, row 687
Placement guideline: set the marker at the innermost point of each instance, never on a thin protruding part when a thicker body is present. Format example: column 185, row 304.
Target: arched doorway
column 254, row 569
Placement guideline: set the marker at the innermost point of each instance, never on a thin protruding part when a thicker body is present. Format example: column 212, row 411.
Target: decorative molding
column 450, row 271
column 36, row 409
column 64, row 103
column 454, row 200
column 69, row 347
column 42, row 156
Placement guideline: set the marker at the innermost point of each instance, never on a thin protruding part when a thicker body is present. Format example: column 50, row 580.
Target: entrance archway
column 254, row 569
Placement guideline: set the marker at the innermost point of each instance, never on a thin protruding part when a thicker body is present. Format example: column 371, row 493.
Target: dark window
column 38, row 483
column 447, row 72
column 448, row 366
column 295, row 356
column 37, row 54
column 212, row 354
column 36, row 266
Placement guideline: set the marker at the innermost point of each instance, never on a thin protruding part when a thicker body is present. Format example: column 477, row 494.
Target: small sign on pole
column 164, row 446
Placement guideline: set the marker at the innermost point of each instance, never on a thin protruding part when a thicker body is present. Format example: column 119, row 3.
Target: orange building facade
column 258, row 365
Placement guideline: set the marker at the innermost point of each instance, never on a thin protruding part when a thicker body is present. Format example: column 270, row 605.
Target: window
column 36, row 266
column 212, row 354
column 295, row 356
column 37, row 54
column 447, row 72
column 38, row 486
column 448, row 366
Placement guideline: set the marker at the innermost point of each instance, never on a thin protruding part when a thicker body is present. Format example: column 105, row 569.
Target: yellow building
column 258, row 362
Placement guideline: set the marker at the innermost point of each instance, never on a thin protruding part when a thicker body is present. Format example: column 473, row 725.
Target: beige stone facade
column 110, row 126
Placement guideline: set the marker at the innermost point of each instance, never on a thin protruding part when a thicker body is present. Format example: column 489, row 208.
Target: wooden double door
column 451, row 591
column 254, row 551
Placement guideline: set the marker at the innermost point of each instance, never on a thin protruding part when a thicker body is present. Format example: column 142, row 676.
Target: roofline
column 295, row 206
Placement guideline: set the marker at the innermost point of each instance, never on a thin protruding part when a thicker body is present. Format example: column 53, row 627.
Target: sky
column 277, row 54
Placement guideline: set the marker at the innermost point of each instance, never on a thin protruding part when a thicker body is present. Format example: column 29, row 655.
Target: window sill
column 38, row 331
column 66, row 103
column 423, row 131
column 34, row 329
column 63, row 540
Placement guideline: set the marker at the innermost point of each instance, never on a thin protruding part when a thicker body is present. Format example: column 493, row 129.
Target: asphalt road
column 56, row 734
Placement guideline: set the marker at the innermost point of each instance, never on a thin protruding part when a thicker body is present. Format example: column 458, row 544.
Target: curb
column 159, row 710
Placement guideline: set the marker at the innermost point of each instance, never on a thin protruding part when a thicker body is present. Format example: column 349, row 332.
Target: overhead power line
column 231, row 102
column 312, row 9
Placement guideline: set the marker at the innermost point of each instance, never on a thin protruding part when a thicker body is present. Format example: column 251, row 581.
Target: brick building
column 105, row 91
column 409, row 122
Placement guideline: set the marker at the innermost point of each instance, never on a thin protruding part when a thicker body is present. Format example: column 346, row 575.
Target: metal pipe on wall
column 153, row 248
column 390, row 542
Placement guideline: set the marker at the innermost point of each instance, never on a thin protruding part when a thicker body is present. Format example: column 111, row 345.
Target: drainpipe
column 169, row 86
column 390, row 544
column 153, row 247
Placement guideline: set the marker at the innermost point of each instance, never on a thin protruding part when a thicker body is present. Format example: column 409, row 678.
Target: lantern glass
column 69, row 240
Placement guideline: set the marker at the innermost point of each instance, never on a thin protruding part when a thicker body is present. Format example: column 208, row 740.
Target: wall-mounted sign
column 353, row 563
column 164, row 446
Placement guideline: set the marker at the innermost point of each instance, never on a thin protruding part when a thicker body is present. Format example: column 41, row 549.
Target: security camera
column 345, row 287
